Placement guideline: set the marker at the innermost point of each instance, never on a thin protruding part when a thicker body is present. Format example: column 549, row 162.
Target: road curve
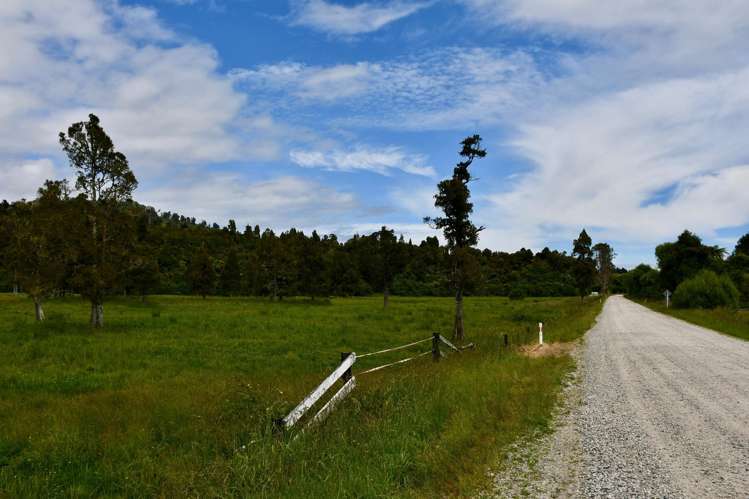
column 661, row 409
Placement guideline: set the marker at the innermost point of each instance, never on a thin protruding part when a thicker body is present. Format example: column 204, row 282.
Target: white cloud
column 382, row 161
column 160, row 98
column 279, row 203
column 365, row 17
column 22, row 180
column 655, row 109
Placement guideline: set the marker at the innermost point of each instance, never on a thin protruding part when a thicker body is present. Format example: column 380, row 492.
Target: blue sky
column 625, row 117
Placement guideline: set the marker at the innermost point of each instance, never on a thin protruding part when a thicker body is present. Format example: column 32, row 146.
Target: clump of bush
column 706, row 290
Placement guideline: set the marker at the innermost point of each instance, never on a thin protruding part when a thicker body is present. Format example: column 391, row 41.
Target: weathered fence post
column 506, row 341
column 435, row 347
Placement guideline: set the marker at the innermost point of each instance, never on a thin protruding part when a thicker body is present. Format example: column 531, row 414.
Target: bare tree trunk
column 458, row 331
column 385, row 296
column 39, row 310
column 97, row 314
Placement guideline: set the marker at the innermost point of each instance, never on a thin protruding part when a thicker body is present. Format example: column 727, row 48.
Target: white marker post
column 667, row 294
column 540, row 333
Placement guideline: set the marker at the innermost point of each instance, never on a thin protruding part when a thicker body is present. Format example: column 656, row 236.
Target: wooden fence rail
column 344, row 373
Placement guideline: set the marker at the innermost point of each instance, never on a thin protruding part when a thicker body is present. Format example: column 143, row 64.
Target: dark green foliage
column 103, row 173
column 37, row 247
column 168, row 242
column 101, row 227
column 202, row 275
column 453, row 198
column 604, row 260
column 584, row 270
column 737, row 267
column 641, row 282
column 682, row 259
column 389, row 261
column 231, row 275
column 706, row 290
column 742, row 246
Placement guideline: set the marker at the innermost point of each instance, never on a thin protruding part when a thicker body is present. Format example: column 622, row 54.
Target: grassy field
column 175, row 397
column 726, row 320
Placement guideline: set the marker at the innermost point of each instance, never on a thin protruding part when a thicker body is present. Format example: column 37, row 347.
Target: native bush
column 706, row 290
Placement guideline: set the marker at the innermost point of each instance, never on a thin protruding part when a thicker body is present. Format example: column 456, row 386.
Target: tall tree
column 453, row 198
column 738, row 267
column 105, row 181
column 388, row 261
column 685, row 257
column 742, row 246
column 231, row 275
column 202, row 275
column 312, row 275
column 584, row 270
column 39, row 249
column 604, row 257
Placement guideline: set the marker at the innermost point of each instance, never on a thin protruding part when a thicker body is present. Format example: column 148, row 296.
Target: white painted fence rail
column 318, row 392
column 344, row 371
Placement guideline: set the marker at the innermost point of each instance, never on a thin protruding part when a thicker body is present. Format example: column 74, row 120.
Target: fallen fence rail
column 344, row 373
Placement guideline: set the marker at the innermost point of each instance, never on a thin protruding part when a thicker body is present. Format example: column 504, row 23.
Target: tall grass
column 176, row 397
column 730, row 321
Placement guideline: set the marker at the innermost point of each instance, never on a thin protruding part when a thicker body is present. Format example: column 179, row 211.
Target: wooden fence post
column 506, row 341
column 436, row 347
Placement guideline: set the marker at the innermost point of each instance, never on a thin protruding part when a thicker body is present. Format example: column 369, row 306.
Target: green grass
column 175, row 397
column 725, row 320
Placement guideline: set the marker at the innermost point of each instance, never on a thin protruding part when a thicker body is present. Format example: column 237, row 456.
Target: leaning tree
column 453, row 198
column 105, row 182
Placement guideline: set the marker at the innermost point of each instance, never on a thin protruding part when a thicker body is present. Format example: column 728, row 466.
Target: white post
column 540, row 333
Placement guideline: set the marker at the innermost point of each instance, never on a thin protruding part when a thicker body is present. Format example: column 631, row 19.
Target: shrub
column 706, row 290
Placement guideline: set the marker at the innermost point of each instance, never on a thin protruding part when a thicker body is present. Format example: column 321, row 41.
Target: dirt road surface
column 657, row 408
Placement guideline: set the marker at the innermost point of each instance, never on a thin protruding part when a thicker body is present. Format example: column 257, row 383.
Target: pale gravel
column 657, row 408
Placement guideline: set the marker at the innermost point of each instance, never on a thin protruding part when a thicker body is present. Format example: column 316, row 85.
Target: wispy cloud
column 338, row 19
column 310, row 83
column 381, row 161
column 659, row 106
column 447, row 88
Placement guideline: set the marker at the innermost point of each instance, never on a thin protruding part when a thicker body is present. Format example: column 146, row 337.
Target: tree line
column 698, row 275
column 93, row 239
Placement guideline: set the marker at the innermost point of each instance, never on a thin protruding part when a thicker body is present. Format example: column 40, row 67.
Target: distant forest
column 168, row 253
column 93, row 239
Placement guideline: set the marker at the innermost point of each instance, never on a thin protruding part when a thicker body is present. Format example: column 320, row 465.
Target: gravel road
column 658, row 408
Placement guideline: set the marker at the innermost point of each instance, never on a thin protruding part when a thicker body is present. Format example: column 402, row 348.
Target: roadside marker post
column 540, row 333
column 667, row 294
